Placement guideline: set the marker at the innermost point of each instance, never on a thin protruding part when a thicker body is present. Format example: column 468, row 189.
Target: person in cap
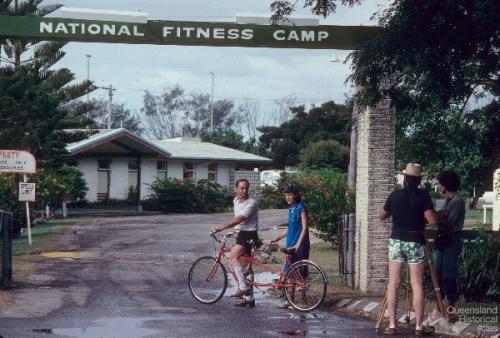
column 410, row 208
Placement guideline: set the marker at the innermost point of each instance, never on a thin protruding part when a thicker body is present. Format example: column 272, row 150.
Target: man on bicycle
column 246, row 221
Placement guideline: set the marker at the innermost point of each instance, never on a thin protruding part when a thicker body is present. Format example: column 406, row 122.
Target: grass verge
column 44, row 237
column 328, row 258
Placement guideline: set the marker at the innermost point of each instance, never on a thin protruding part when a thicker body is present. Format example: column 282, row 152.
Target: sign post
column 27, row 194
column 21, row 162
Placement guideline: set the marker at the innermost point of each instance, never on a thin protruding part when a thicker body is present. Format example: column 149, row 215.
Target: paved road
column 127, row 278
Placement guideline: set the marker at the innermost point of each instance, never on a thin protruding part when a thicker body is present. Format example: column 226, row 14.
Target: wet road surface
column 127, row 278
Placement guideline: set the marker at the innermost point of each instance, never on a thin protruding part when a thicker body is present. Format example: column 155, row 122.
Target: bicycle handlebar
column 213, row 234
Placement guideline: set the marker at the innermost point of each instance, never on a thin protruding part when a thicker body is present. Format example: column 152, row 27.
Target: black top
column 455, row 212
column 407, row 207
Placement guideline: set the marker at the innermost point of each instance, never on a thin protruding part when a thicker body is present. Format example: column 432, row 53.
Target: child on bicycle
column 297, row 233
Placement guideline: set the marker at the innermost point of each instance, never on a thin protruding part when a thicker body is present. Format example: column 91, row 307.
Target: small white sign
column 17, row 161
column 26, row 192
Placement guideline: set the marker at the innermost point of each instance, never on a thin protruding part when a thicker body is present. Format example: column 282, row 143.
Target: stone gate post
column 375, row 176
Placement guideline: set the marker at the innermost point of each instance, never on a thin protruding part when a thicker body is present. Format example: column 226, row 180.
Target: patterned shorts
column 409, row 252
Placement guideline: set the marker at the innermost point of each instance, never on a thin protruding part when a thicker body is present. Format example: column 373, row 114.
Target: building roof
column 122, row 141
column 193, row 148
column 119, row 141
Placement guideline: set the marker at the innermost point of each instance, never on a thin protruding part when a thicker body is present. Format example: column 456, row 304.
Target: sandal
column 241, row 292
column 391, row 331
column 429, row 322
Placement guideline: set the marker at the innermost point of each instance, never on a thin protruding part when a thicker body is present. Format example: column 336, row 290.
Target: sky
column 260, row 74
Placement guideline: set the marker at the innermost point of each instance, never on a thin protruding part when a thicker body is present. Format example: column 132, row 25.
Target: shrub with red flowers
column 325, row 196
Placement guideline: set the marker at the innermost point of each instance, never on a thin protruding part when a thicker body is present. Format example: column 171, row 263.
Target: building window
column 72, row 163
column 103, row 164
column 212, row 172
column 133, row 165
column 189, row 170
column 133, row 169
column 161, row 169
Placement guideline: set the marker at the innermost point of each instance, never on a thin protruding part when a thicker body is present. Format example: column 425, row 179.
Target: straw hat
column 413, row 169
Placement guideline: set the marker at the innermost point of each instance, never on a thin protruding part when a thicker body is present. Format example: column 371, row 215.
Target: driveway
column 127, row 277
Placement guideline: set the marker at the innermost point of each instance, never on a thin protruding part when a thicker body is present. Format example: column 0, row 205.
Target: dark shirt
column 455, row 212
column 407, row 207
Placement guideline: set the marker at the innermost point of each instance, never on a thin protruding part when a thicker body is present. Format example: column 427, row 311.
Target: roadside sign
column 17, row 161
column 26, row 192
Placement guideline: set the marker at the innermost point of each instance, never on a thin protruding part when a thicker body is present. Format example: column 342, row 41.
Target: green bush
column 479, row 269
column 271, row 197
column 173, row 195
column 326, row 197
column 324, row 154
column 53, row 184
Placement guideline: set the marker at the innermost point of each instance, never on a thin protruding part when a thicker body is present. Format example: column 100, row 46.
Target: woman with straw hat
column 410, row 209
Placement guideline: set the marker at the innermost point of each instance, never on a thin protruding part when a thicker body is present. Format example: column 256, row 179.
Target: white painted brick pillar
column 496, row 200
column 374, row 181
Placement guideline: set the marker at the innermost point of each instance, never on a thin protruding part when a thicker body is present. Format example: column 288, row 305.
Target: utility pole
column 110, row 102
column 88, row 74
column 212, row 105
column 17, row 44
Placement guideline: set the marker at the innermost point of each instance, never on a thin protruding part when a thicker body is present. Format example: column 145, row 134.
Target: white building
column 113, row 160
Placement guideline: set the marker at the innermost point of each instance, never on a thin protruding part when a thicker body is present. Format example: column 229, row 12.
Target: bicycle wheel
column 309, row 285
column 207, row 280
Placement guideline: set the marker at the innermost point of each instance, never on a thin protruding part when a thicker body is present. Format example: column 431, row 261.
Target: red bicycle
column 304, row 282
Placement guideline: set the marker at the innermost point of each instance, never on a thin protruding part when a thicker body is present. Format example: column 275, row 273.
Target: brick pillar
column 496, row 201
column 374, row 181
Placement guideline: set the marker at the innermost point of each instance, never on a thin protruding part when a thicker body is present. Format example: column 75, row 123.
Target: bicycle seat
column 286, row 251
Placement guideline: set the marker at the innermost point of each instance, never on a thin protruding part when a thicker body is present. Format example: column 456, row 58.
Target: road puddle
column 261, row 277
column 294, row 333
column 112, row 327
column 43, row 331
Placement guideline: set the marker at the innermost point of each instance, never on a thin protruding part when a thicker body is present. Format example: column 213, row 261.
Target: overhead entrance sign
column 192, row 33
column 17, row 161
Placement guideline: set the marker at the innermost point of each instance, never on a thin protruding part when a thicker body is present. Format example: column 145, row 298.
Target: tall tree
column 122, row 117
column 231, row 139
column 32, row 105
column 281, row 9
column 330, row 121
column 33, row 96
column 437, row 60
column 325, row 154
column 282, row 111
column 15, row 48
column 175, row 113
